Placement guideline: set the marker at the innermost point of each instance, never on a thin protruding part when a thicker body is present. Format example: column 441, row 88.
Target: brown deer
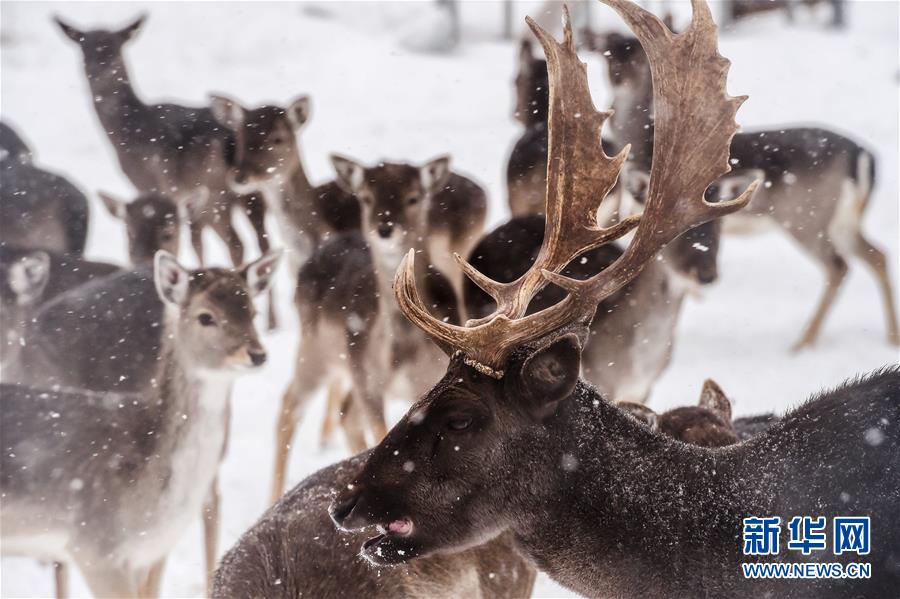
column 820, row 174
column 151, row 223
column 294, row 550
column 40, row 210
column 268, row 160
column 602, row 504
column 166, row 148
column 28, row 280
column 352, row 335
column 97, row 458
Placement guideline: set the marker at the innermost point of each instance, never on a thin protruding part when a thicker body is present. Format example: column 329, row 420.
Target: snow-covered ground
column 373, row 99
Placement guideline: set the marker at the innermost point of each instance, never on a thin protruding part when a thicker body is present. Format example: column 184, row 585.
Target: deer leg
column 61, row 579
column 353, row 425
column 151, row 584
column 333, row 407
column 223, row 225
column 836, row 270
column 877, row 261
column 307, row 378
column 256, row 214
column 197, row 240
column 211, row 531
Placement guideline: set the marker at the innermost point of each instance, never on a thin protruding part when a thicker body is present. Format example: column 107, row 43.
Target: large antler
column 694, row 126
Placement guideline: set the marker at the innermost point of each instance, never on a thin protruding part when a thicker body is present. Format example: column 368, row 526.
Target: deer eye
column 206, row 319
column 460, row 423
column 412, row 201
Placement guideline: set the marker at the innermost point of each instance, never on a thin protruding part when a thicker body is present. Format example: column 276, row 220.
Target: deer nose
column 706, row 276
column 257, row 356
column 240, row 177
column 385, row 230
column 342, row 507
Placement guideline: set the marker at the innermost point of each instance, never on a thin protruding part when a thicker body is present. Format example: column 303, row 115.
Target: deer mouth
column 391, row 544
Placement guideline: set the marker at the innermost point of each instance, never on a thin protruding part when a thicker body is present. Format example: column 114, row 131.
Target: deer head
column 151, row 221
column 23, row 278
column 266, row 147
column 102, row 48
column 394, row 198
column 211, row 312
column 443, row 476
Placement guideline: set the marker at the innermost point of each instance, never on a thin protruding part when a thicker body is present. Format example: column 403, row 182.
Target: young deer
column 166, row 148
column 30, row 279
column 810, row 171
column 96, row 460
column 512, row 439
column 634, row 329
column 352, row 334
column 39, row 210
column 708, row 424
column 151, row 222
column 268, row 159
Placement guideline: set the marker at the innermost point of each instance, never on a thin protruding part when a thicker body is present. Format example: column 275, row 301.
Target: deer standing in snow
column 82, row 471
column 817, row 182
column 512, row 439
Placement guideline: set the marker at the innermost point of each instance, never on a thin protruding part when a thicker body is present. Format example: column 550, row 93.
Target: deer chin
column 394, row 544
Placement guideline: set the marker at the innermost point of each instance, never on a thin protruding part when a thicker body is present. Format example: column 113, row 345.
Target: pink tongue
column 401, row 527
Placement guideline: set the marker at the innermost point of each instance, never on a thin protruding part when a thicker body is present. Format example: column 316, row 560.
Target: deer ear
column 714, row 399
column 259, row 274
column 350, row 175
column 641, row 412
column 129, row 31
column 434, row 175
column 72, row 33
column 28, row 277
column 115, row 206
column 549, row 374
column 226, row 111
column 172, row 279
column 298, row 112
column 526, row 56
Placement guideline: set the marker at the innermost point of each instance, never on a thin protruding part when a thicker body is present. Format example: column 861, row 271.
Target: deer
column 634, row 329
column 352, row 336
column 602, row 504
column 151, row 222
column 40, row 210
column 826, row 177
column 28, row 280
column 294, row 550
column 268, row 160
column 708, row 424
column 168, row 149
column 81, row 470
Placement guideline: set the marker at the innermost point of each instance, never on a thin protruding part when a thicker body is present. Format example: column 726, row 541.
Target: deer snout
column 385, row 229
column 345, row 512
column 707, row 274
column 257, row 355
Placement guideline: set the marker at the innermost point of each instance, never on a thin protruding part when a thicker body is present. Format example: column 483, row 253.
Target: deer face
column 626, row 61
column 532, row 87
column 151, row 222
column 436, row 482
column 266, row 148
column 215, row 311
column 693, row 254
column 395, row 199
column 102, row 48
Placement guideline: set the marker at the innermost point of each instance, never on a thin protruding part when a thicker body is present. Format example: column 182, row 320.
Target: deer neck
column 196, row 400
column 386, row 261
column 114, row 97
column 605, row 501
